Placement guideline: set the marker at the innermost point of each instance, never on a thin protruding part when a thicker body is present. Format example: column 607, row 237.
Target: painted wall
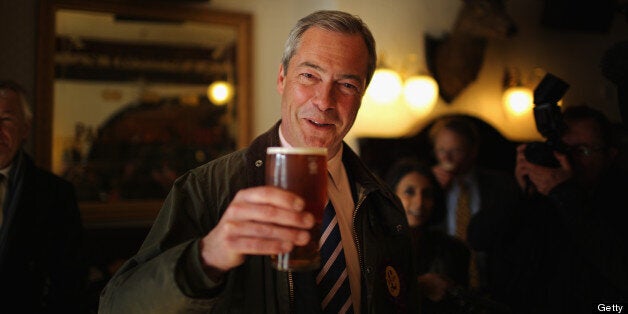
column 399, row 27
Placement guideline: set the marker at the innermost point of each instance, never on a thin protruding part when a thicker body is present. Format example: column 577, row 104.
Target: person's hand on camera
column 259, row 221
column 521, row 167
column 543, row 179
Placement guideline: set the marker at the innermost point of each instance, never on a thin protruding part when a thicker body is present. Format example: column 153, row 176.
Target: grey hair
column 9, row 85
column 336, row 21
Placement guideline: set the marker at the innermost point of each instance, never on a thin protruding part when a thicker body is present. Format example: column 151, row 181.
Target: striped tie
column 332, row 280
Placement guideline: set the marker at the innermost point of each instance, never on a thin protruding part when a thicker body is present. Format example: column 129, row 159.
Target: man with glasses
column 591, row 152
column 478, row 200
column 568, row 256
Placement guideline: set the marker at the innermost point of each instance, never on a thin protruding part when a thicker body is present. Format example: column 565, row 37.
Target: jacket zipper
column 355, row 235
column 291, row 292
column 357, row 243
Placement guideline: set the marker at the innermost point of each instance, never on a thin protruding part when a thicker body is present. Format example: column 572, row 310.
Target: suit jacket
column 41, row 268
column 492, row 224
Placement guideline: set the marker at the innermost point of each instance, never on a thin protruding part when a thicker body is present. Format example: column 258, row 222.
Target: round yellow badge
column 392, row 280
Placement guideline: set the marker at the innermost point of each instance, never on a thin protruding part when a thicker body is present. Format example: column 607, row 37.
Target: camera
column 549, row 122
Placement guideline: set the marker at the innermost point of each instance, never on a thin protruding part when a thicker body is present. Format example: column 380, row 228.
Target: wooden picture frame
column 143, row 97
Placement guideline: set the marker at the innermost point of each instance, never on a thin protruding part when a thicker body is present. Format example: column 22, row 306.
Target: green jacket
column 166, row 276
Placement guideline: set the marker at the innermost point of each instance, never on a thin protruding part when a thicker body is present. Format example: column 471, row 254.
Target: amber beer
column 302, row 170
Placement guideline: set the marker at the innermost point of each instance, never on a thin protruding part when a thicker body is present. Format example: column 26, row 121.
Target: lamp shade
column 385, row 87
column 421, row 93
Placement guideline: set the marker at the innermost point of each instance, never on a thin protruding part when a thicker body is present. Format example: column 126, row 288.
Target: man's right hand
column 262, row 220
column 543, row 179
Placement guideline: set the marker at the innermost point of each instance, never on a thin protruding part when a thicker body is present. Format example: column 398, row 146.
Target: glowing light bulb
column 518, row 100
column 385, row 87
column 421, row 93
column 220, row 92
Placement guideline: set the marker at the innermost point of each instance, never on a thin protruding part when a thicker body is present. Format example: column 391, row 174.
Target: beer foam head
column 297, row 150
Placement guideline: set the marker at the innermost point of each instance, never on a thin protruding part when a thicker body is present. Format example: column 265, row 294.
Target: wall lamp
column 220, row 92
column 517, row 98
column 419, row 91
column 385, row 86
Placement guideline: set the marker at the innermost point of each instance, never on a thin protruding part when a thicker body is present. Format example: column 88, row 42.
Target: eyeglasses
column 584, row 150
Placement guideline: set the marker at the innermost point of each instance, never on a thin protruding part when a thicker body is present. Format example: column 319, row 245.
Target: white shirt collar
column 6, row 171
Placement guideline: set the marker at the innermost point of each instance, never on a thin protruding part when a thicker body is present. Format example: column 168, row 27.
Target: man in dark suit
column 41, row 268
column 478, row 200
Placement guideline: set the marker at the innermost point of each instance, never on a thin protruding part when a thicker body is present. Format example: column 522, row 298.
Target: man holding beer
column 210, row 248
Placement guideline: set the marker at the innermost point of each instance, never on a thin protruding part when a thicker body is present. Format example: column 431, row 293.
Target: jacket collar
column 255, row 155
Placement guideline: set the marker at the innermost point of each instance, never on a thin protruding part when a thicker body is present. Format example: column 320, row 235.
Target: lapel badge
column 392, row 281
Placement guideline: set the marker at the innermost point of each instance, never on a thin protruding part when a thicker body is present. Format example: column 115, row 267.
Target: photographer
column 568, row 256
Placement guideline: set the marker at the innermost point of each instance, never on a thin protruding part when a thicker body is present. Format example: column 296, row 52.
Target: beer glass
column 302, row 170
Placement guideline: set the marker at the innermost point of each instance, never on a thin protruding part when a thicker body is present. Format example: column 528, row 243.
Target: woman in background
column 442, row 260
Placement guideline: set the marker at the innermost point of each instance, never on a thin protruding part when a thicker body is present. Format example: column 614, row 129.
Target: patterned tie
column 463, row 217
column 332, row 279
column 463, row 211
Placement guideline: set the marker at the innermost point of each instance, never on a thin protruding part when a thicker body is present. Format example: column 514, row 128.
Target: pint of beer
column 302, row 170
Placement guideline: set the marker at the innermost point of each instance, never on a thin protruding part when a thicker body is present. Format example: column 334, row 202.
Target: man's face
column 322, row 89
column 588, row 155
column 452, row 151
column 13, row 127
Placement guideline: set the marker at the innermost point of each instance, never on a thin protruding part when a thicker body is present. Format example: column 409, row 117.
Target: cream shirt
column 339, row 192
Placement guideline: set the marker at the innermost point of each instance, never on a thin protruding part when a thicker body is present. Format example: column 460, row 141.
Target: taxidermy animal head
column 456, row 59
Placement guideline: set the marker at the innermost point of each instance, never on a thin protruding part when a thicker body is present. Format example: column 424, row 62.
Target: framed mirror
column 132, row 94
